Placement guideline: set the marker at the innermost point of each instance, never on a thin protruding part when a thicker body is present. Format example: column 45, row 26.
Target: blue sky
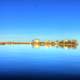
column 45, row 19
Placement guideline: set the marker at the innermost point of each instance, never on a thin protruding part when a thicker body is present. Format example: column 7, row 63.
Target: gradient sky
column 24, row 20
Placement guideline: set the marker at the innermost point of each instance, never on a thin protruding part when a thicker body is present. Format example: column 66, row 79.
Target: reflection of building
column 68, row 43
column 37, row 43
column 63, row 43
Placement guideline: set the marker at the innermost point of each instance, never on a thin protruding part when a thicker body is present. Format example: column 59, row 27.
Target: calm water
column 28, row 60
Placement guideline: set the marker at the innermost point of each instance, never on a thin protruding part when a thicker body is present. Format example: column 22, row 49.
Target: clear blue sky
column 40, row 18
column 44, row 19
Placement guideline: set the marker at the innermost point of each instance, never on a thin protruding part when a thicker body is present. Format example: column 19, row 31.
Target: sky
column 26, row 20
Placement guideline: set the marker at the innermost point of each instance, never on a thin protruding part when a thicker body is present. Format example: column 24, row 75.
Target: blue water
column 25, row 20
column 25, row 59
